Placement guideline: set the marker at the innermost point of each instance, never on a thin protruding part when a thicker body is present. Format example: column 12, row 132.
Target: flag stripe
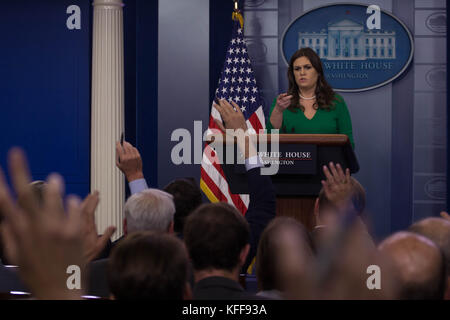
column 220, row 187
column 212, row 191
column 237, row 201
column 209, row 194
column 255, row 122
column 261, row 118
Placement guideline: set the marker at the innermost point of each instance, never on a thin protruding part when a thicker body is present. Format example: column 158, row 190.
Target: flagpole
column 237, row 83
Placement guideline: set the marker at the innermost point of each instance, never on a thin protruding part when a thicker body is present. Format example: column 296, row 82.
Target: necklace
column 312, row 98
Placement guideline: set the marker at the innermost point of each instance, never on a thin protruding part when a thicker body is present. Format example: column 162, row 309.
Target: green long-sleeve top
column 335, row 121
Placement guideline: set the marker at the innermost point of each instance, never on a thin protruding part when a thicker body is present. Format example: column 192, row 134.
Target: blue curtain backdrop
column 45, row 88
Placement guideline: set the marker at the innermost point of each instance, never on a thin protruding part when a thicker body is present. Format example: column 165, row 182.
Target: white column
column 107, row 112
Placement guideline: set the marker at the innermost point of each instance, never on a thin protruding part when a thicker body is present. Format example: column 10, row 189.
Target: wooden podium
column 298, row 181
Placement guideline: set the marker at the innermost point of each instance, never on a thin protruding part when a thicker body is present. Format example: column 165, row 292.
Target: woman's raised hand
column 283, row 102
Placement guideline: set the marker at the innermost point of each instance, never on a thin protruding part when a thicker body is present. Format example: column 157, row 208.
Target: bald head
column 419, row 265
column 438, row 231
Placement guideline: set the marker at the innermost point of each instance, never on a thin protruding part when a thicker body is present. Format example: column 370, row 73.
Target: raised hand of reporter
column 93, row 244
column 232, row 116
column 129, row 161
column 337, row 186
column 46, row 238
column 234, row 119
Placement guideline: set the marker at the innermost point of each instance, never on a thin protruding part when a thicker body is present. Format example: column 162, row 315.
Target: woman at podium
column 310, row 105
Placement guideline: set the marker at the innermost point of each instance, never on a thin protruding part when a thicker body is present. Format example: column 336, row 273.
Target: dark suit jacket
column 98, row 278
column 10, row 281
column 261, row 209
column 220, row 288
column 98, row 284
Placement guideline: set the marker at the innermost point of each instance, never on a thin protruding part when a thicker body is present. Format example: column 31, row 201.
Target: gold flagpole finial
column 237, row 14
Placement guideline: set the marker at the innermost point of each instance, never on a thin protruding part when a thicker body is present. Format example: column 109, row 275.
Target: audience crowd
column 174, row 247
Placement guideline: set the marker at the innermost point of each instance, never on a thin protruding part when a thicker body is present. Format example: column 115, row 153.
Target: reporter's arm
column 137, row 186
column 262, row 206
column 261, row 209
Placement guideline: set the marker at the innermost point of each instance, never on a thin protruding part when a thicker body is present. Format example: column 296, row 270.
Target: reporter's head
column 217, row 236
column 437, row 230
column 285, row 244
column 417, row 263
column 149, row 265
column 149, row 210
column 186, row 196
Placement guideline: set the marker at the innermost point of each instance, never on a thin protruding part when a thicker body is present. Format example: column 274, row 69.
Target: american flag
column 237, row 83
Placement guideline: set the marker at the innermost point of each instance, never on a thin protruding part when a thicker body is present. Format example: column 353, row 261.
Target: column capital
column 108, row 3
